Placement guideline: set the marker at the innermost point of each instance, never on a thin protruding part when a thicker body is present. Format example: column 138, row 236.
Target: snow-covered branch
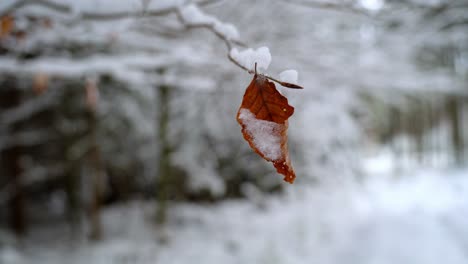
column 192, row 17
column 153, row 9
column 26, row 109
column 187, row 12
column 32, row 176
column 340, row 7
column 26, row 138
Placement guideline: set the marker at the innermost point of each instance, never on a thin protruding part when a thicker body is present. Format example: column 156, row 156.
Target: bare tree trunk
column 11, row 164
column 429, row 126
column 72, row 189
column 419, row 117
column 464, row 123
column 97, row 180
column 17, row 203
column 456, row 136
column 164, row 168
column 395, row 126
column 436, row 121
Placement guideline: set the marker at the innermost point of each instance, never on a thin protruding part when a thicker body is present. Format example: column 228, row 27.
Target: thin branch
column 230, row 43
column 90, row 15
column 23, row 3
column 453, row 24
column 27, row 109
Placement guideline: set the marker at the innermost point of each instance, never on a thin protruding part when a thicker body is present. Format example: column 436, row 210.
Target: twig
column 90, row 15
column 229, row 44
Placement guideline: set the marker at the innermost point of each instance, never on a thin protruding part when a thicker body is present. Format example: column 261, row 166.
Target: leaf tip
column 291, row 85
column 289, row 180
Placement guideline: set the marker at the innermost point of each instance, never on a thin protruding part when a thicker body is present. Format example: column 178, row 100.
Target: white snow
column 265, row 134
column 192, row 15
column 322, row 224
column 227, row 30
column 417, row 217
column 289, row 76
column 372, row 5
column 249, row 57
column 103, row 7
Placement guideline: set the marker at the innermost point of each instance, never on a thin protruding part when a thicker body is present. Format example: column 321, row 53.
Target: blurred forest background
column 119, row 143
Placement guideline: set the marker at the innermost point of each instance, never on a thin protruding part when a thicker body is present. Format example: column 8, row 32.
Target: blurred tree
column 52, row 48
column 11, row 164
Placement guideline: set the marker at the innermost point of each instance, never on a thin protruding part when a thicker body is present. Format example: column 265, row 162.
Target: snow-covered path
column 422, row 218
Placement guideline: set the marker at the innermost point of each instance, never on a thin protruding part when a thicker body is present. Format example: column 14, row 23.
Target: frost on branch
column 249, row 57
column 263, row 116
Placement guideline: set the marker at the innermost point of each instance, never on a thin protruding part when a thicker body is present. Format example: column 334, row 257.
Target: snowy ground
column 417, row 218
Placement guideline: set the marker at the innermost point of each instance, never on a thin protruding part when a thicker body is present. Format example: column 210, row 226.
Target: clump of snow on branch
column 227, row 30
column 289, row 76
column 249, row 57
column 192, row 15
column 265, row 134
column 372, row 5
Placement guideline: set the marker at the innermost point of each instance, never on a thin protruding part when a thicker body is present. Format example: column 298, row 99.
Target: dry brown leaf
column 7, row 24
column 263, row 116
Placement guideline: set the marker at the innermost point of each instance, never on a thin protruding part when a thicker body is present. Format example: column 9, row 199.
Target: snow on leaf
column 289, row 76
column 263, row 116
column 264, row 134
column 249, row 57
